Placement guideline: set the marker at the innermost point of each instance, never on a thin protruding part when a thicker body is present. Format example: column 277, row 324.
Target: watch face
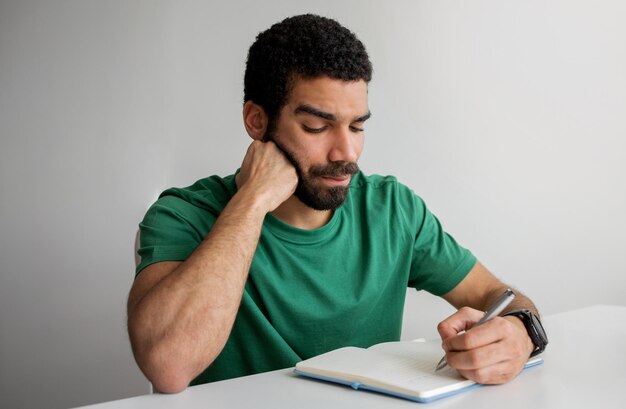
column 539, row 329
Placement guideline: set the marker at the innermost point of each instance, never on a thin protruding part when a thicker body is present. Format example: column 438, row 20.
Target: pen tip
column 442, row 364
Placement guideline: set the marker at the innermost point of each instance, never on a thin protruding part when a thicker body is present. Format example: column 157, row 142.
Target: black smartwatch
column 535, row 330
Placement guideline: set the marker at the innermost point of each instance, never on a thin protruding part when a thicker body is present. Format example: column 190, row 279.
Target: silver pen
column 495, row 310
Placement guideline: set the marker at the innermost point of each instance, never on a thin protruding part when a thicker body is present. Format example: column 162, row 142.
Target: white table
column 585, row 367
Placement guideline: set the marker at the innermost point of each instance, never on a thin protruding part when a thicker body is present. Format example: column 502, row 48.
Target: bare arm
column 480, row 289
column 181, row 314
column 496, row 351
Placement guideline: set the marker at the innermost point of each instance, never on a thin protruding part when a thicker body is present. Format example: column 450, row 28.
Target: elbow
column 169, row 384
column 167, row 365
column 165, row 375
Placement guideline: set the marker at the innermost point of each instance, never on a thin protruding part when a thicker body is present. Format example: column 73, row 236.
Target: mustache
column 333, row 169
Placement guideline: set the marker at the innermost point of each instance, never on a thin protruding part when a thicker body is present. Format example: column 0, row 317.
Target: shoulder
column 192, row 205
column 210, row 194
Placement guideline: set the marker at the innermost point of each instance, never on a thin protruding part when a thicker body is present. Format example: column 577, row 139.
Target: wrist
column 251, row 201
column 262, row 196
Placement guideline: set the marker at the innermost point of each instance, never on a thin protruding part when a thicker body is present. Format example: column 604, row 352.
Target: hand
column 492, row 353
column 267, row 174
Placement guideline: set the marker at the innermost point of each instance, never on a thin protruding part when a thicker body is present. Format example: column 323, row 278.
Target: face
column 320, row 129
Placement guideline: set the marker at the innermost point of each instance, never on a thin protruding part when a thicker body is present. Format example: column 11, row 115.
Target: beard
column 310, row 191
column 313, row 194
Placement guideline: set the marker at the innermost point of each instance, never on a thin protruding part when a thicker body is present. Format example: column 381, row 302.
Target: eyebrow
column 308, row 109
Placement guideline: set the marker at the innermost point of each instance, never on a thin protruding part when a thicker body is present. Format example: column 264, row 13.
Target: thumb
column 462, row 320
column 446, row 330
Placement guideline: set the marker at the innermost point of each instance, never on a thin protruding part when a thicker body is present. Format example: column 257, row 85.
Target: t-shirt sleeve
column 438, row 262
column 170, row 231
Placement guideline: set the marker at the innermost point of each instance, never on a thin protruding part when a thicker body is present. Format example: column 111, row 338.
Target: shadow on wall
column 137, row 258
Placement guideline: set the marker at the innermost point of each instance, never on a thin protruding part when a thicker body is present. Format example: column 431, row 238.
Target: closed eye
column 314, row 130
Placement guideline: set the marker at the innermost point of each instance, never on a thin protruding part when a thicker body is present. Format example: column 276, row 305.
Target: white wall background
column 508, row 117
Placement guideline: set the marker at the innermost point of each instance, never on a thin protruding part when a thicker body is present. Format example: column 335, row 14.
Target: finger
column 477, row 358
column 463, row 319
column 476, row 337
column 499, row 373
column 446, row 330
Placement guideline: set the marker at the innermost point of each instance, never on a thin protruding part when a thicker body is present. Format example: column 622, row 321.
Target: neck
column 295, row 213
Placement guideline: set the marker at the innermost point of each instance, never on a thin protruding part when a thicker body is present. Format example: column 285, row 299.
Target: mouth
column 342, row 180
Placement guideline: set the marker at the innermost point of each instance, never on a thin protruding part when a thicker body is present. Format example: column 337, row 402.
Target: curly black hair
column 304, row 46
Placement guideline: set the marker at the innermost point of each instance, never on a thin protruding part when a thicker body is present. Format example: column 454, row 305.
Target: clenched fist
column 267, row 174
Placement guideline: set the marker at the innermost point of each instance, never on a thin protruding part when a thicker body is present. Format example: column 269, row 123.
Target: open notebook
column 404, row 369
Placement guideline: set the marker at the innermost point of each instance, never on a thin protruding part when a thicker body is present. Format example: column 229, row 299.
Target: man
column 299, row 253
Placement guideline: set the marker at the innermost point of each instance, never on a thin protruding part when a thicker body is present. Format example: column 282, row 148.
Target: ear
column 255, row 120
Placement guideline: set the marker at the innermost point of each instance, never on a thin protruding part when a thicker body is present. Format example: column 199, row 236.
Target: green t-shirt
column 311, row 291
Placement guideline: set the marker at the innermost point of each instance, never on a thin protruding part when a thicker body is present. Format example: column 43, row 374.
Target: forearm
column 520, row 302
column 480, row 289
column 180, row 326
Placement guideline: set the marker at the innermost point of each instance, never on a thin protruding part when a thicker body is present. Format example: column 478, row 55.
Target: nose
column 346, row 145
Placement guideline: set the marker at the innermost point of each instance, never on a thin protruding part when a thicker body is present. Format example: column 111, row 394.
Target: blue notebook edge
column 360, row 386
